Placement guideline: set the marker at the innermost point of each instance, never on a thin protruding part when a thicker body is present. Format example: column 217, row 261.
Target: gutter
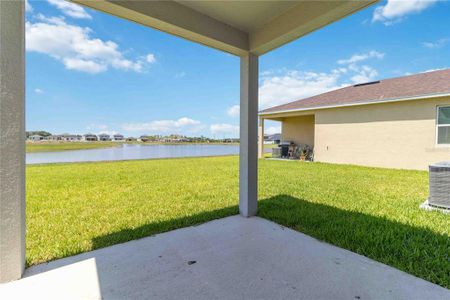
column 427, row 96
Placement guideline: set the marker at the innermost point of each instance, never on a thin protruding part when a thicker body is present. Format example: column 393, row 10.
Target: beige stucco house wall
column 299, row 129
column 392, row 135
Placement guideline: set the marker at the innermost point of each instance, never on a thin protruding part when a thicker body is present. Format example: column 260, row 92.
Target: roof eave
column 368, row 102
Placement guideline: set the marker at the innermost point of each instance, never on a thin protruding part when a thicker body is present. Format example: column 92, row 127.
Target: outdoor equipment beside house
column 292, row 151
column 276, row 152
column 284, row 146
column 440, row 185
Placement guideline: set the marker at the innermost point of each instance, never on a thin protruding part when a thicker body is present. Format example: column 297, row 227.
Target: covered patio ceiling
column 237, row 27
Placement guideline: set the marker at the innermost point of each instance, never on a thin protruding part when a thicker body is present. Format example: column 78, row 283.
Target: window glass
column 444, row 115
column 444, row 135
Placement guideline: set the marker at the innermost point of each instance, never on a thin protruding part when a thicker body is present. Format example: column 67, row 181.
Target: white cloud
column 88, row 66
column 395, row 10
column 164, row 126
column 28, row 7
column 38, row 91
column 70, row 9
column 437, row 44
column 364, row 74
column 291, row 85
column 272, row 129
column 150, row 58
column 75, row 48
column 361, row 57
column 224, row 129
column 294, row 85
column 233, row 111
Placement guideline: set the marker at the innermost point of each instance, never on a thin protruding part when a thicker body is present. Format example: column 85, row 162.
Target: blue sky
column 91, row 72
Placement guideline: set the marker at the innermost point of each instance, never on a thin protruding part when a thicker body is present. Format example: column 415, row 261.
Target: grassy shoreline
column 67, row 146
column 78, row 207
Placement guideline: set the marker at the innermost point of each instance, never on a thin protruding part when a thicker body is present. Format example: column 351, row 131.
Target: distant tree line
column 189, row 139
column 40, row 132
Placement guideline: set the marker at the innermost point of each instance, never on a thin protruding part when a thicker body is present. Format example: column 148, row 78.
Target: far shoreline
column 35, row 147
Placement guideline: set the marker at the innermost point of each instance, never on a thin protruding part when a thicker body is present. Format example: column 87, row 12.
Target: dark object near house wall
column 440, row 185
column 276, row 152
column 284, row 149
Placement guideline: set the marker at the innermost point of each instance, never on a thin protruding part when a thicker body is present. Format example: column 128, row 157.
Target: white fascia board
column 355, row 104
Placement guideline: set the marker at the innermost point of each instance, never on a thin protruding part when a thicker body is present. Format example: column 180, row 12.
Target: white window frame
column 440, row 125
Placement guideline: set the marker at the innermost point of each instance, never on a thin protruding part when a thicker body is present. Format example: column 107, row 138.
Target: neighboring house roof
column 70, row 135
column 421, row 85
column 273, row 137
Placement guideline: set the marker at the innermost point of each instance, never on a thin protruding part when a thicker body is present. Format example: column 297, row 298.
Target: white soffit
column 236, row 27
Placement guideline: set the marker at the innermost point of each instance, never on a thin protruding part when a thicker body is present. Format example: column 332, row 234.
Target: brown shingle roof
column 423, row 84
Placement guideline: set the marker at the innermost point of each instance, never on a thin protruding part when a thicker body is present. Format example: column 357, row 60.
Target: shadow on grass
column 129, row 234
column 153, row 228
column 418, row 251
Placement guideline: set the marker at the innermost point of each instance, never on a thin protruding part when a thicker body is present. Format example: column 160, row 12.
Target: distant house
column 104, row 137
column 400, row 122
column 36, row 138
column 71, row 137
column 54, row 137
column 118, row 137
column 175, row 140
column 228, row 140
column 143, row 138
column 131, row 139
column 89, row 137
column 64, row 137
column 272, row 139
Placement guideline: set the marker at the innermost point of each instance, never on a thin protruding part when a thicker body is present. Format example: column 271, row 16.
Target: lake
column 131, row 151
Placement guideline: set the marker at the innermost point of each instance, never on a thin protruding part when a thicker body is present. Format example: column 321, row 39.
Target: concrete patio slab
column 230, row 258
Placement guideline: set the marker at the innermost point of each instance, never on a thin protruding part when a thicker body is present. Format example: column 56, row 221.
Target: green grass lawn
column 72, row 208
column 63, row 146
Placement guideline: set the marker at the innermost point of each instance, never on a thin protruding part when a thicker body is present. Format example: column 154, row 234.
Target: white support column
column 12, row 140
column 248, row 152
column 261, row 138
